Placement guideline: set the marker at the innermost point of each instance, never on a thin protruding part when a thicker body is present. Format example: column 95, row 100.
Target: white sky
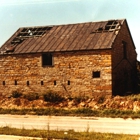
column 23, row 13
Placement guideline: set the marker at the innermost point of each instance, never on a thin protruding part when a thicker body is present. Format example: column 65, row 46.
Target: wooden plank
column 59, row 38
column 85, row 40
column 66, row 36
column 52, row 39
column 94, row 37
column 71, row 38
column 46, row 39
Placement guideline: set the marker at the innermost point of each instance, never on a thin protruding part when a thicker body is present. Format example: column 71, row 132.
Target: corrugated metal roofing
column 71, row 37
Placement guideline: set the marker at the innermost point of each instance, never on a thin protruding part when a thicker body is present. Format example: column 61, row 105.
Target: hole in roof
column 26, row 33
column 100, row 29
column 110, row 22
column 110, row 26
column 30, row 33
column 107, row 28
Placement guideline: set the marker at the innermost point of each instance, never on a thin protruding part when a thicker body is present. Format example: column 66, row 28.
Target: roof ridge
column 71, row 23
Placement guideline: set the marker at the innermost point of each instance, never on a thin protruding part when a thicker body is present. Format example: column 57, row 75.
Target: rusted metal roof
column 71, row 37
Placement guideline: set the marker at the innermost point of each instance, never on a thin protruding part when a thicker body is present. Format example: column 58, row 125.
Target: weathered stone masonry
column 123, row 68
column 71, row 73
column 86, row 59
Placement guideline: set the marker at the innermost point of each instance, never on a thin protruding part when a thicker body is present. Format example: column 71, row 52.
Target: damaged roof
column 58, row 38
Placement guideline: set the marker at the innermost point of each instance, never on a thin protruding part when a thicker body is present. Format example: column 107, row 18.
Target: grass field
column 66, row 135
column 113, row 113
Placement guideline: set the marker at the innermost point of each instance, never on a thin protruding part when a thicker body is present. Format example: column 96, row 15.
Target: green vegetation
column 66, row 135
column 134, row 97
column 53, row 97
column 53, row 100
column 16, row 94
column 114, row 113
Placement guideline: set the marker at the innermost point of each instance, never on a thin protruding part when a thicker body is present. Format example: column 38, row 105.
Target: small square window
column 96, row 74
column 28, row 83
column 47, row 59
column 54, row 82
column 42, row 83
column 15, row 82
column 3, row 83
column 68, row 82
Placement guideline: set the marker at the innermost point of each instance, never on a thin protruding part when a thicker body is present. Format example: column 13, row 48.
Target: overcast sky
column 23, row 13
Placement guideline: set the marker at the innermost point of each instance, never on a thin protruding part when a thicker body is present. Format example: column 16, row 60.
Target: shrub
column 31, row 96
column 135, row 97
column 79, row 99
column 52, row 97
column 16, row 94
column 101, row 99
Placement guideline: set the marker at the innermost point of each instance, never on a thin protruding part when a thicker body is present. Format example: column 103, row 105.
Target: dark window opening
column 15, row 82
column 124, row 49
column 54, row 82
column 47, row 59
column 68, row 82
column 96, row 74
column 42, row 83
column 28, row 83
column 3, row 83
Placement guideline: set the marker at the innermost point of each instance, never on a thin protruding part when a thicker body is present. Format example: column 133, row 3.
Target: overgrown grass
column 114, row 113
column 67, row 135
column 54, row 98
column 134, row 97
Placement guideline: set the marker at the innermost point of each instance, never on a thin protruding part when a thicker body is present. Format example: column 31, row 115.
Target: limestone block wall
column 71, row 73
column 124, row 67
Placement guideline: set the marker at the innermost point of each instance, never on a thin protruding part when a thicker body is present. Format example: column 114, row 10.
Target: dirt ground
column 118, row 102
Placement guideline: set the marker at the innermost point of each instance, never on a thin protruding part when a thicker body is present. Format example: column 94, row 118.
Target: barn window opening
column 124, row 49
column 30, row 32
column 15, row 82
column 68, row 82
column 96, row 74
column 42, row 83
column 3, row 83
column 27, row 83
column 54, row 82
column 47, row 59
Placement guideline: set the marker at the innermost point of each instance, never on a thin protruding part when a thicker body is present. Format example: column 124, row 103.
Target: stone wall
column 124, row 67
column 71, row 73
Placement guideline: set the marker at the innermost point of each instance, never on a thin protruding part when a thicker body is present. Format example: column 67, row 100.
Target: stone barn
column 84, row 59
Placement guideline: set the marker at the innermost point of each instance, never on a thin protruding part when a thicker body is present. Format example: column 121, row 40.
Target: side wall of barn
column 124, row 63
column 72, row 74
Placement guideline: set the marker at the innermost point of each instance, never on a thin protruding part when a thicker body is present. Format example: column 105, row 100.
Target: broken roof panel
column 71, row 37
